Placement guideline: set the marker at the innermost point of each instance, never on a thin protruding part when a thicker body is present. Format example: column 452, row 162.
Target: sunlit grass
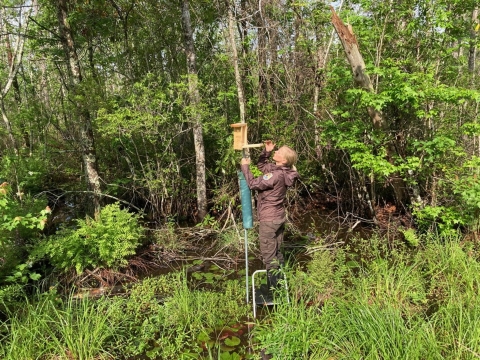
column 420, row 304
column 77, row 329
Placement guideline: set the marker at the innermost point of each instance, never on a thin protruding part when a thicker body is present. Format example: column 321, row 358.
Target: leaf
column 35, row 276
column 352, row 264
column 189, row 355
column 203, row 336
column 233, row 341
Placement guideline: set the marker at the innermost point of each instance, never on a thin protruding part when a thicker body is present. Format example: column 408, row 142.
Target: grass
column 383, row 310
column 72, row 330
column 405, row 304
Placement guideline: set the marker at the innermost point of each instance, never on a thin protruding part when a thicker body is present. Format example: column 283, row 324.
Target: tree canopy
column 97, row 100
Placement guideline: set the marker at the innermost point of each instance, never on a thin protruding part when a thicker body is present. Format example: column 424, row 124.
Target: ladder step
column 263, row 296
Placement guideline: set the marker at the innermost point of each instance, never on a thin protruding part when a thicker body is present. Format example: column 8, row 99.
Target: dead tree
column 361, row 78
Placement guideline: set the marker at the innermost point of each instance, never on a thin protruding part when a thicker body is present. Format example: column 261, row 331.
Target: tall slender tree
column 14, row 59
column 75, row 96
column 195, row 114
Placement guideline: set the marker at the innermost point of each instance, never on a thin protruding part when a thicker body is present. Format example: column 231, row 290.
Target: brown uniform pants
column 271, row 237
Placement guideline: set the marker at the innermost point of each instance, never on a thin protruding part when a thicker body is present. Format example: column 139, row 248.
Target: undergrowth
column 389, row 302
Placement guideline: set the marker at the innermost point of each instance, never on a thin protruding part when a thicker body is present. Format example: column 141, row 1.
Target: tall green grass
column 394, row 304
column 24, row 333
column 76, row 329
column 400, row 305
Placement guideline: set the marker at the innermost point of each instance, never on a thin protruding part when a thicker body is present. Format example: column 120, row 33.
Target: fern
column 107, row 241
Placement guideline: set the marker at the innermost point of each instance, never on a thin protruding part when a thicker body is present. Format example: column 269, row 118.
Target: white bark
column 13, row 66
column 473, row 43
column 238, row 77
column 75, row 78
column 196, row 118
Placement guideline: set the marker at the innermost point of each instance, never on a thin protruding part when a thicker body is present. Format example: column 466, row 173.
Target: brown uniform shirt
column 272, row 187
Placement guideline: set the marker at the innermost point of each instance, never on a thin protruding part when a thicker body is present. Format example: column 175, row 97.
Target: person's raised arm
column 263, row 164
column 269, row 145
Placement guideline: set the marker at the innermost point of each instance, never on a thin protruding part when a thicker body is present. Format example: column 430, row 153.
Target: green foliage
column 411, row 236
column 28, row 173
column 166, row 238
column 381, row 311
column 163, row 318
column 79, row 329
column 141, row 314
column 11, row 296
column 323, row 278
column 401, row 304
column 232, row 242
column 444, row 220
column 107, row 241
column 209, row 222
column 255, row 171
column 22, row 274
column 14, row 213
column 20, row 224
column 85, row 328
column 291, row 332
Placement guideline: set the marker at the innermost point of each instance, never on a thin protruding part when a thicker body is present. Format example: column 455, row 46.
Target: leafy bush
column 103, row 242
column 19, row 215
column 30, row 173
column 324, row 273
column 21, row 222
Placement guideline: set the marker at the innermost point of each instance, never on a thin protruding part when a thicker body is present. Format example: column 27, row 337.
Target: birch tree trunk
column 473, row 43
column 14, row 58
column 16, row 86
column 75, row 79
column 196, row 117
column 362, row 79
column 238, row 77
column 262, row 90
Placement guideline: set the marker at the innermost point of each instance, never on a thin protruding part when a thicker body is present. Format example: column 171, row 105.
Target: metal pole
column 246, row 265
column 246, row 155
column 247, row 217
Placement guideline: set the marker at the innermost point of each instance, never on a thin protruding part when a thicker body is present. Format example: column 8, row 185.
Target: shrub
column 103, row 242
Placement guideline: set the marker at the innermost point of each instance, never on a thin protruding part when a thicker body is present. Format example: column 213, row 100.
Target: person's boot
column 265, row 294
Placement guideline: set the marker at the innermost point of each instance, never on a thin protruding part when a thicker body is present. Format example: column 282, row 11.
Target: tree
column 194, row 110
column 362, row 79
column 14, row 58
column 77, row 98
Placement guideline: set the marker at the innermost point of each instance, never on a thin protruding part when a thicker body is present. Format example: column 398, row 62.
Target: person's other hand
column 245, row 161
column 269, row 145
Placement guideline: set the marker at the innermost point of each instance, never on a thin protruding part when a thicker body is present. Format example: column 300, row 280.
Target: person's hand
column 269, row 145
column 245, row 161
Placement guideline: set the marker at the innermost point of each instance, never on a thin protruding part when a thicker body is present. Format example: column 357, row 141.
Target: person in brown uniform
column 272, row 188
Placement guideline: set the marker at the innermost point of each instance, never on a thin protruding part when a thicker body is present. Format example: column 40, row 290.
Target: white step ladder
column 266, row 301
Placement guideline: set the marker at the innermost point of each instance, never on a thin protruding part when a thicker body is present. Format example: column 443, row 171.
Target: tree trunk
column 320, row 59
column 14, row 58
column 238, row 77
column 350, row 45
column 473, row 43
column 16, row 94
column 195, row 103
column 262, row 92
column 8, row 126
column 75, row 78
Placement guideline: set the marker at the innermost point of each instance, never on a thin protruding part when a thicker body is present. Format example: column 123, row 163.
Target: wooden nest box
column 240, row 140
